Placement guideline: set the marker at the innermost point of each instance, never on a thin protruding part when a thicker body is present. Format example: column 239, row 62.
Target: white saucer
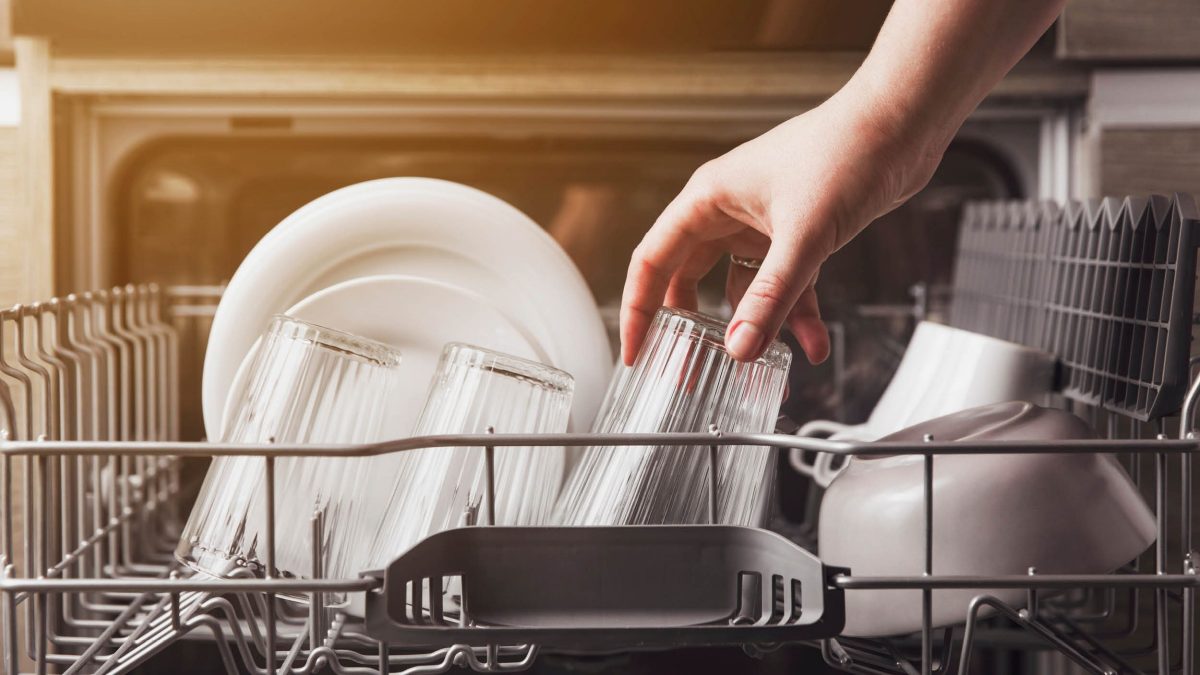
column 416, row 316
column 420, row 227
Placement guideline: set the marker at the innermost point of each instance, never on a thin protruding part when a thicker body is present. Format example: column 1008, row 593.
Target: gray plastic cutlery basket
column 607, row 588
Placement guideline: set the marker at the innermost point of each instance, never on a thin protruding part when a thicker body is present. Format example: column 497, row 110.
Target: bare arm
column 799, row 192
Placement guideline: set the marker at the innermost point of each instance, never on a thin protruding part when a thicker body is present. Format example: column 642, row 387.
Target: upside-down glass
column 682, row 381
column 306, row 384
column 475, row 391
column 478, row 391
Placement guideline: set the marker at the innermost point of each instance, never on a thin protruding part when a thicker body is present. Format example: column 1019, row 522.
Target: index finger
column 666, row 247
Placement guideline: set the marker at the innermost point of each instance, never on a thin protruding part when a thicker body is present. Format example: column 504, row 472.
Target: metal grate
column 1106, row 286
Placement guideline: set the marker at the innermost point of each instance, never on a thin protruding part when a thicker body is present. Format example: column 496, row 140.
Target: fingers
column 804, row 319
column 644, row 288
column 650, row 274
column 664, row 252
column 776, row 288
column 682, row 290
column 685, row 243
column 736, row 284
column 805, row 323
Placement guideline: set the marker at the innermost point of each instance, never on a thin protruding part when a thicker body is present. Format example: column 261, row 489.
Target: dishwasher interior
column 93, row 499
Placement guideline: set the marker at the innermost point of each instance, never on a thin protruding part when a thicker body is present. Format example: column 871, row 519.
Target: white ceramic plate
column 380, row 308
column 419, row 227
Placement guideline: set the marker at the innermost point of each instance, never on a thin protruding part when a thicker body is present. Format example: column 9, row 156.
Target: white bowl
column 948, row 369
column 944, row 370
column 992, row 515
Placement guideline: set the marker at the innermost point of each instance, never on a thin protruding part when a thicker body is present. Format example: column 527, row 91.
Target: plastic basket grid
column 1106, row 285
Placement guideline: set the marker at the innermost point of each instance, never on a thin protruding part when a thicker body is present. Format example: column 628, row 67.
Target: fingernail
column 745, row 340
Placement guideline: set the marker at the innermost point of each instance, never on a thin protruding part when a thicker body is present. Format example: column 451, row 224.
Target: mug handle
column 822, row 428
column 823, row 469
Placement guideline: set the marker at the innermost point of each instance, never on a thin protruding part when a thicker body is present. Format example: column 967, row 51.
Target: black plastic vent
column 1106, row 285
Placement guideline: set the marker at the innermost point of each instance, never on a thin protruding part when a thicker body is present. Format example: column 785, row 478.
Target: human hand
column 791, row 197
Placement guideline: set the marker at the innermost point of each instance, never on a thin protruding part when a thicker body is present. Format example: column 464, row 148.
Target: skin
column 799, row 192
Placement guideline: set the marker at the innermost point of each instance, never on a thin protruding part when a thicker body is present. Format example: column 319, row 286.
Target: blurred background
column 159, row 141
column 165, row 140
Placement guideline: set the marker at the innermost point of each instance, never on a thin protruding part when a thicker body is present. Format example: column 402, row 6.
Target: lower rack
column 107, row 599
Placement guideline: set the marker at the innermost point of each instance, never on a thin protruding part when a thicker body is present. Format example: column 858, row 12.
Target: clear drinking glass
column 476, row 390
column 306, row 384
column 682, row 381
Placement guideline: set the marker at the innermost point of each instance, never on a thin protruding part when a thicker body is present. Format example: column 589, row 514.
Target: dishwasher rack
column 90, row 490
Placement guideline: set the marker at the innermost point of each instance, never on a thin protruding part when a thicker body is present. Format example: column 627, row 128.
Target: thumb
column 768, row 300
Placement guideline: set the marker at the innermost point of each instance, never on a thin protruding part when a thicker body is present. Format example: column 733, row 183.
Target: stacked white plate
column 414, row 263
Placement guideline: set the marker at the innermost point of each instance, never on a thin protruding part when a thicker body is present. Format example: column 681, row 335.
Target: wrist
column 896, row 116
column 905, row 141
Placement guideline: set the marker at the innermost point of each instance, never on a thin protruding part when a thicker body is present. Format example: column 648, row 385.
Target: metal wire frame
column 96, row 588
column 1098, row 626
column 96, row 365
column 256, row 627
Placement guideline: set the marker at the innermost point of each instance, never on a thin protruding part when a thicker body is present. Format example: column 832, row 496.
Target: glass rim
column 776, row 355
column 352, row 345
column 502, row 363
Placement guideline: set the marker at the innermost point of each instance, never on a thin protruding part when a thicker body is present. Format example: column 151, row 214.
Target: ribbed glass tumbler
column 306, row 384
column 477, row 391
column 682, row 381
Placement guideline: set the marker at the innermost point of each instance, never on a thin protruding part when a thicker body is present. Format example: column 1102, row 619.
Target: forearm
column 935, row 60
